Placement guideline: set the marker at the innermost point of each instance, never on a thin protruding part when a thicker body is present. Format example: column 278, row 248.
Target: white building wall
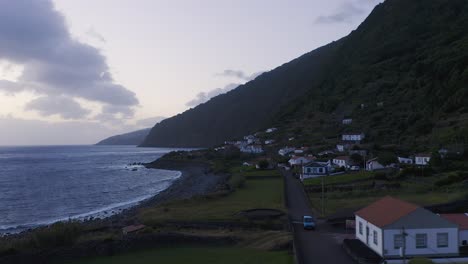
column 463, row 235
column 431, row 249
column 378, row 248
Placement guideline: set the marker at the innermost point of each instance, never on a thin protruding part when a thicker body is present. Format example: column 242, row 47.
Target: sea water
column 43, row 184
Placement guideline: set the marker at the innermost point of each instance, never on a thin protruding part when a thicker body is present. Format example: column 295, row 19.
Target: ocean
column 44, row 184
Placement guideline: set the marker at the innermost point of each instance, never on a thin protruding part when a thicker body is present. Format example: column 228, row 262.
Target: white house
column 271, row 130
column 269, row 141
column 301, row 150
column 285, row 151
column 250, row 139
column 253, row 149
column 374, row 164
column 342, row 146
column 299, row 161
column 391, row 227
column 462, row 221
column 403, row 160
column 347, row 121
column 353, row 137
column 422, row 159
column 314, row 169
column 341, row 161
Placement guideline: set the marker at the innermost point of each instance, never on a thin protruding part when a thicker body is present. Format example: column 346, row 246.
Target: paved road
column 314, row 247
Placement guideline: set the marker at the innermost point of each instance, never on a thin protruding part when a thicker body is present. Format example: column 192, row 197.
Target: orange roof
column 460, row 219
column 386, row 211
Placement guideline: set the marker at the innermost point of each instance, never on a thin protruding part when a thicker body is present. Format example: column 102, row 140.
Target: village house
column 374, row 164
column 422, row 159
column 391, row 228
column 341, row 161
column 462, row 221
column 285, row 151
column 299, row 161
column 343, row 146
column 403, row 160
column 250, row 139
column 269, row 141
column 301, row 150
column 356, row 137
column 347, row 121
column 326, row 153
column 360, row 152
column 252, row 149
column 271, row 130
column 314, row 169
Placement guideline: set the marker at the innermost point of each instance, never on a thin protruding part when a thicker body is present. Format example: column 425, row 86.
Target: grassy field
column 195, row 255
column 334, row 202
column 255, row 193
column 340, row 179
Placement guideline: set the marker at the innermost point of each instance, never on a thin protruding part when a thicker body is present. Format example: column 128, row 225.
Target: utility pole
column 323, row 191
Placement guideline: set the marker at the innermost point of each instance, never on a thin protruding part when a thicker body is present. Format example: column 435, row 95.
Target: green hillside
column 407, row 64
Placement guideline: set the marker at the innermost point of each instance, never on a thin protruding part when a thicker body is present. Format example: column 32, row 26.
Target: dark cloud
column 205, row 96
column 347, row 12
column 63, row 106
column 238, row 74
column 34, row 35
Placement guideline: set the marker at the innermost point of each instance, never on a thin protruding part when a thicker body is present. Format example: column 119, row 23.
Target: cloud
column 205, row 96
column 9, row 87
column 35, row 36
column 238, row 74
column 347, row 12
column 63, row 106
column 149, row 122
column 95, row 35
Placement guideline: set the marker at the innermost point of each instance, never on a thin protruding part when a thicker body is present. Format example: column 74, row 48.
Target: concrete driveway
column 317, row 247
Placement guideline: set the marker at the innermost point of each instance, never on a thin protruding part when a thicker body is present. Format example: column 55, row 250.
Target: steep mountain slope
column 132, row 138
column 411, row 57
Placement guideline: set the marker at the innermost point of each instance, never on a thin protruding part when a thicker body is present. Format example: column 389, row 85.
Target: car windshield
column 308, row 219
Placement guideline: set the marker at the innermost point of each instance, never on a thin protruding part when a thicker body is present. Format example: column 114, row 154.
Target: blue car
column 309, row 222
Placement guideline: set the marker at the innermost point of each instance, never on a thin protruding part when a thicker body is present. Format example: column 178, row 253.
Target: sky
column 75, row 72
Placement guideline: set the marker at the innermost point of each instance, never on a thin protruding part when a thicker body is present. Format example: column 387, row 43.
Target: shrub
column 420, row 261
column 58, row 234
column 451, row 178
column 236, row 181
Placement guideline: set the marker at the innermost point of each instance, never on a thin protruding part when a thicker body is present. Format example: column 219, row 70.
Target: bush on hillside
column 58, row 235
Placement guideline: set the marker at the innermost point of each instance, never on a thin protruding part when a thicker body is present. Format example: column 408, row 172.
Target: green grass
column 340, row 179
column 256, row 193
column 334, row 202
column 195, row 255
column 262, row 173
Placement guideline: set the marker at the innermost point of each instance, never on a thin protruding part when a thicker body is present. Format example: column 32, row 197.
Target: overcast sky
column 74, row 72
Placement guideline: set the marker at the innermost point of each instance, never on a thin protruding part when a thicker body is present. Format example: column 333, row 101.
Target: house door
column 367, row 235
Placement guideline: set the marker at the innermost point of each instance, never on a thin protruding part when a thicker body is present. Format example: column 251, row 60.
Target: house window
column 360, row 228
column 421, row 240
column 398, row 241
column 308, row 170
column 442, row 240
column 376, row 242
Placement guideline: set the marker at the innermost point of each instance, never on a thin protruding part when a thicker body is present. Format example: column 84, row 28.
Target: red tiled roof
column 386, row 211
column 460, row 219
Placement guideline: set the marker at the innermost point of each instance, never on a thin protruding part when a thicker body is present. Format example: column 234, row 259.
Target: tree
column 387, row 158
column 263, row 164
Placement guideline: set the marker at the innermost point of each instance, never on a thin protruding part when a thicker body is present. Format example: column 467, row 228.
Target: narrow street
column 317, row 247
